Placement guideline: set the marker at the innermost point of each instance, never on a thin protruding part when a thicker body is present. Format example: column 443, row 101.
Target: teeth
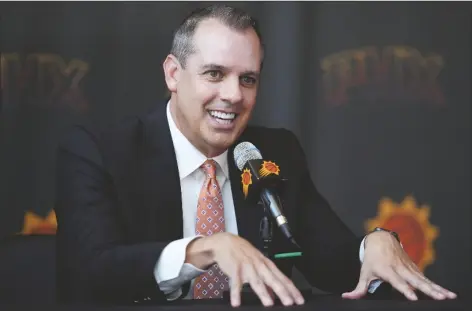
column 221, row 121
column 222, row 115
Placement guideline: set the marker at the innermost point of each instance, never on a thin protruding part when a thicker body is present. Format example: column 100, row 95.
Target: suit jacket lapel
column 159, row 168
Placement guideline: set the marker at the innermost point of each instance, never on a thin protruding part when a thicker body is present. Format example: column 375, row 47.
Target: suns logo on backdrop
column 34, row 224
column 392, row 72
column 411, row 222
column 47, row 79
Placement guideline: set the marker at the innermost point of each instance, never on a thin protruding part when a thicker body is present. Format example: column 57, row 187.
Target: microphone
column 261, row 179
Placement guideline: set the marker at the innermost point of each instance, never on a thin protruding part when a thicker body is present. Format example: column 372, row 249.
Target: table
column 318, row 303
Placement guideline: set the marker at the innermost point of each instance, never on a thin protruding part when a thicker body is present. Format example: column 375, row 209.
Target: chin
column 221, row 142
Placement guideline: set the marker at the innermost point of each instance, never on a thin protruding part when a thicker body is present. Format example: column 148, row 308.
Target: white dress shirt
column 171, row 272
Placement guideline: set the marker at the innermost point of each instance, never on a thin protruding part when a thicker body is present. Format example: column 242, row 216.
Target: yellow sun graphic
column 246, row 179
column 34, row 224
column 412, row 225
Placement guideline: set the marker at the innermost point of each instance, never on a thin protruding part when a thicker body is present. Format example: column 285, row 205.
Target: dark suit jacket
column 119, row 205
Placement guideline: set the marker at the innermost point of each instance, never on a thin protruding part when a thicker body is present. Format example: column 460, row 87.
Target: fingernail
column 268, row 303
column 286, row 301
column 452, row 295
column 413, row 296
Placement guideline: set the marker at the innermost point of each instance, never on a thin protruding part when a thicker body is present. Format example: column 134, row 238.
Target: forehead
column 215, row 43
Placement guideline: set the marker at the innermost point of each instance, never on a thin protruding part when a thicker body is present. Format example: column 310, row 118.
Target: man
column 134, row 223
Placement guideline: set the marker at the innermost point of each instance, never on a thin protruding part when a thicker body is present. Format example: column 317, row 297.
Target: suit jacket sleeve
column 95, row 262
column 330, row 259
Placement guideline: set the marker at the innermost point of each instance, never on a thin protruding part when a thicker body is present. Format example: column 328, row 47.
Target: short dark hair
column 234, row 18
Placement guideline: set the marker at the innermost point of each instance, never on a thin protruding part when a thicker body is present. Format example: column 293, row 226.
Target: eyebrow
column 223, row 68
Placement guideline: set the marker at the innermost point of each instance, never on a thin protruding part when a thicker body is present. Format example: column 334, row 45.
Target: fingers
column 248, row 265
column 284, row 284
column 235, row 289
column 271, row 292
column 266, row 280
column 361, row 288
column 446, row 292
column 399, row 284
column 258, row 285
column 389, row 262
column 419, row 281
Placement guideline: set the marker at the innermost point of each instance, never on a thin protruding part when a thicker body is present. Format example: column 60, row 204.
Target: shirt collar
column 190, row 158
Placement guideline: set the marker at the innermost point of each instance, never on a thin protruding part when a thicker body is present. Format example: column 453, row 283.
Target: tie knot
column 209, row 167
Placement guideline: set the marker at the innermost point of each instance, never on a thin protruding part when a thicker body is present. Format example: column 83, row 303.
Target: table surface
column 318, row 303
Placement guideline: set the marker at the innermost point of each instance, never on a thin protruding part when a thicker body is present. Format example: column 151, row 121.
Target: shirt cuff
column 171, row 272
column 361, row 250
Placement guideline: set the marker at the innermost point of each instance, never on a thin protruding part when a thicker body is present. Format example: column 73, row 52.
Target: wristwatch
column 389, row 231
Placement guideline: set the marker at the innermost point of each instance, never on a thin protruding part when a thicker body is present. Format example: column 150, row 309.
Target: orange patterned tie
column 210, row 219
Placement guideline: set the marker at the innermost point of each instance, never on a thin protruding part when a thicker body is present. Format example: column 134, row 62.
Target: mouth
column 224, row 118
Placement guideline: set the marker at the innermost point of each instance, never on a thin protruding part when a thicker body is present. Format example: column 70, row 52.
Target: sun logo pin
column 246, row 179
column 268, row 168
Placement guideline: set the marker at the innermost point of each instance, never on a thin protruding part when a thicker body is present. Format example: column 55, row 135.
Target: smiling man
column 213, row 87
column 151, row 210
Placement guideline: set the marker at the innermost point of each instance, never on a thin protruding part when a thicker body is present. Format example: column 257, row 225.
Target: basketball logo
column 35, row 224
column 246, row 179
column 412, row 225
column 268, row 168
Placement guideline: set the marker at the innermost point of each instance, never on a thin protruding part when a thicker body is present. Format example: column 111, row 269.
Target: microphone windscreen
column 244, row 152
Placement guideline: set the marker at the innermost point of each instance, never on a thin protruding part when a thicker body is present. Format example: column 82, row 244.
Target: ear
column 172, row 70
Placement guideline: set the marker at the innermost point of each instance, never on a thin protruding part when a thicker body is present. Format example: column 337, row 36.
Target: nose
column 230, row 90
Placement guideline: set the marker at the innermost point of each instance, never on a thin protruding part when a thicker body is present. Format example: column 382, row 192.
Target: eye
column 214, row 74
column 248, row 80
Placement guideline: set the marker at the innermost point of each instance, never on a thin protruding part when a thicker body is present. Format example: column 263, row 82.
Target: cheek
column 249, row 100
column 205, row 91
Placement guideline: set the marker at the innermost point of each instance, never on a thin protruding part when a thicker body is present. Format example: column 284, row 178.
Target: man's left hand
column 385, row 259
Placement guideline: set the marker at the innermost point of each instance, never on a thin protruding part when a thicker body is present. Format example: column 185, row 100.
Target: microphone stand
column 266, row 232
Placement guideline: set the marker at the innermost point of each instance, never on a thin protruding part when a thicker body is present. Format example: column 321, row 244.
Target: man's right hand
column 243, row 263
